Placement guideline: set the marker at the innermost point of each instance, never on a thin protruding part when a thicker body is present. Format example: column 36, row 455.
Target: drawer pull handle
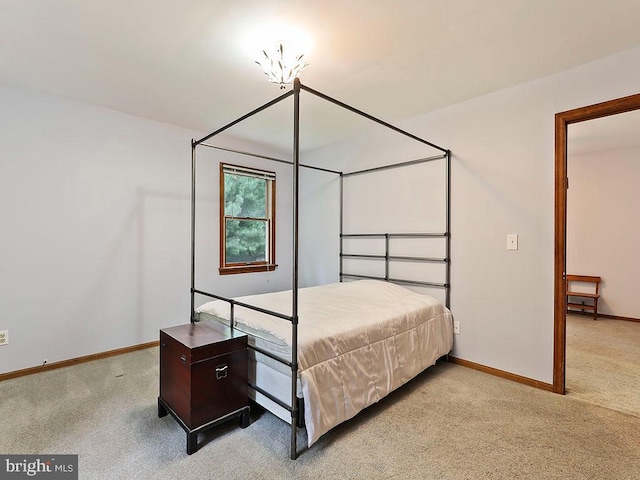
column 221, row 371
column 183, row 357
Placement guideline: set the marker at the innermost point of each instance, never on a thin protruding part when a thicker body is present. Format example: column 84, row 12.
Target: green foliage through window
column 246, row 241
column 245, row 196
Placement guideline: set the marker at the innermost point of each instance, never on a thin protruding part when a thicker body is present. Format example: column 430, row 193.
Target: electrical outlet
column 4, row 337
column 456, row 327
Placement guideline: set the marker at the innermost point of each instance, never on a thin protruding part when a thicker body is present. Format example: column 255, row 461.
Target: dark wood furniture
column 591, row 297
column 203, row 377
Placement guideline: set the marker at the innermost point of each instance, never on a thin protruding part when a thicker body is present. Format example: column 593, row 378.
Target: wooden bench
column 592, row 297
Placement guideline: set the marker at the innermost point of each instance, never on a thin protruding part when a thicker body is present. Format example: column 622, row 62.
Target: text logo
column 49, row 467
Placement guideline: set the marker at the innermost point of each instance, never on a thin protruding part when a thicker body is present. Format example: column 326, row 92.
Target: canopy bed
column 319, row 355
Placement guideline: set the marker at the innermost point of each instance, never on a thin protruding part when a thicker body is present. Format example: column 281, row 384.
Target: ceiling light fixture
column 282, row 64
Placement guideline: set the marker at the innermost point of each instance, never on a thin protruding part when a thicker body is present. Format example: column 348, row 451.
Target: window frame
column 270, row 219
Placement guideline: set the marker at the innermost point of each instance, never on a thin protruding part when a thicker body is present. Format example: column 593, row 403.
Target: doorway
column 562, row 121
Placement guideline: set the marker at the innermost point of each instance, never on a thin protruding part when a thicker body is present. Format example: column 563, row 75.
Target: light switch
column 512, row 241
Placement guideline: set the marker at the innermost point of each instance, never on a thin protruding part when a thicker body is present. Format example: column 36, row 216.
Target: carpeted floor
column 449, row 423
column 603, row 362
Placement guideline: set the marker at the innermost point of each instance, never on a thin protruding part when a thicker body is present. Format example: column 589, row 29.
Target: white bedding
column 357, row 342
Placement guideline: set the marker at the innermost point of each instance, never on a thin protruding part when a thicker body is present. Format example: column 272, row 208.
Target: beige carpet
column 603, row 362
column 449, row 423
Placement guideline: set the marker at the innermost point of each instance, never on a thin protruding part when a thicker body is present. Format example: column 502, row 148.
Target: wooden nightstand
column 203, row 377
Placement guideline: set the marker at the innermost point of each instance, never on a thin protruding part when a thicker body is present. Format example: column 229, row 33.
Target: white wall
column 95, row 212
column 603, row 226
column 502, row 182
column 95, row 229
column 319, row 227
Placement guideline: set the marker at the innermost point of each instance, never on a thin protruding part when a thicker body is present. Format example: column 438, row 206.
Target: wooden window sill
column 247, row 269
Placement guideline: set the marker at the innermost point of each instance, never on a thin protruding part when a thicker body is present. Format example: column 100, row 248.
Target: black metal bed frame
column 293, row 407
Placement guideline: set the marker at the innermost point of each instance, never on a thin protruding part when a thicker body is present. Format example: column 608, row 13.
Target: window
column 247, row 220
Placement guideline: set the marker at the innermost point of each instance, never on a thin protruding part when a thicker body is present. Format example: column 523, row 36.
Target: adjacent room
column 603, row 171
column 319, row 239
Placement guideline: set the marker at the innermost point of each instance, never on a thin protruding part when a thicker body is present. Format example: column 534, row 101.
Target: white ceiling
column 186, row 63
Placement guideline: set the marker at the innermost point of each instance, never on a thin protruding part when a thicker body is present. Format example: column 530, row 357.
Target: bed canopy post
column 341, row 219
column 386, row 257
column 448, row 230
column 193, row 228
column 294, row 287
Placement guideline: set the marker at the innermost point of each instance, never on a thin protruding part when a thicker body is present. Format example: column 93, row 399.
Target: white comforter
column 357, row 342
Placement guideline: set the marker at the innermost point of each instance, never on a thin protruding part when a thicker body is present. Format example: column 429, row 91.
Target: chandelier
column 281, row 64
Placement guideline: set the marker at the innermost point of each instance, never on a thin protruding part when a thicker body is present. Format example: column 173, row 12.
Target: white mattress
column 357, row 342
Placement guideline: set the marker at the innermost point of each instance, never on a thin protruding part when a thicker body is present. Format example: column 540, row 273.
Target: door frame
column 562, row 121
